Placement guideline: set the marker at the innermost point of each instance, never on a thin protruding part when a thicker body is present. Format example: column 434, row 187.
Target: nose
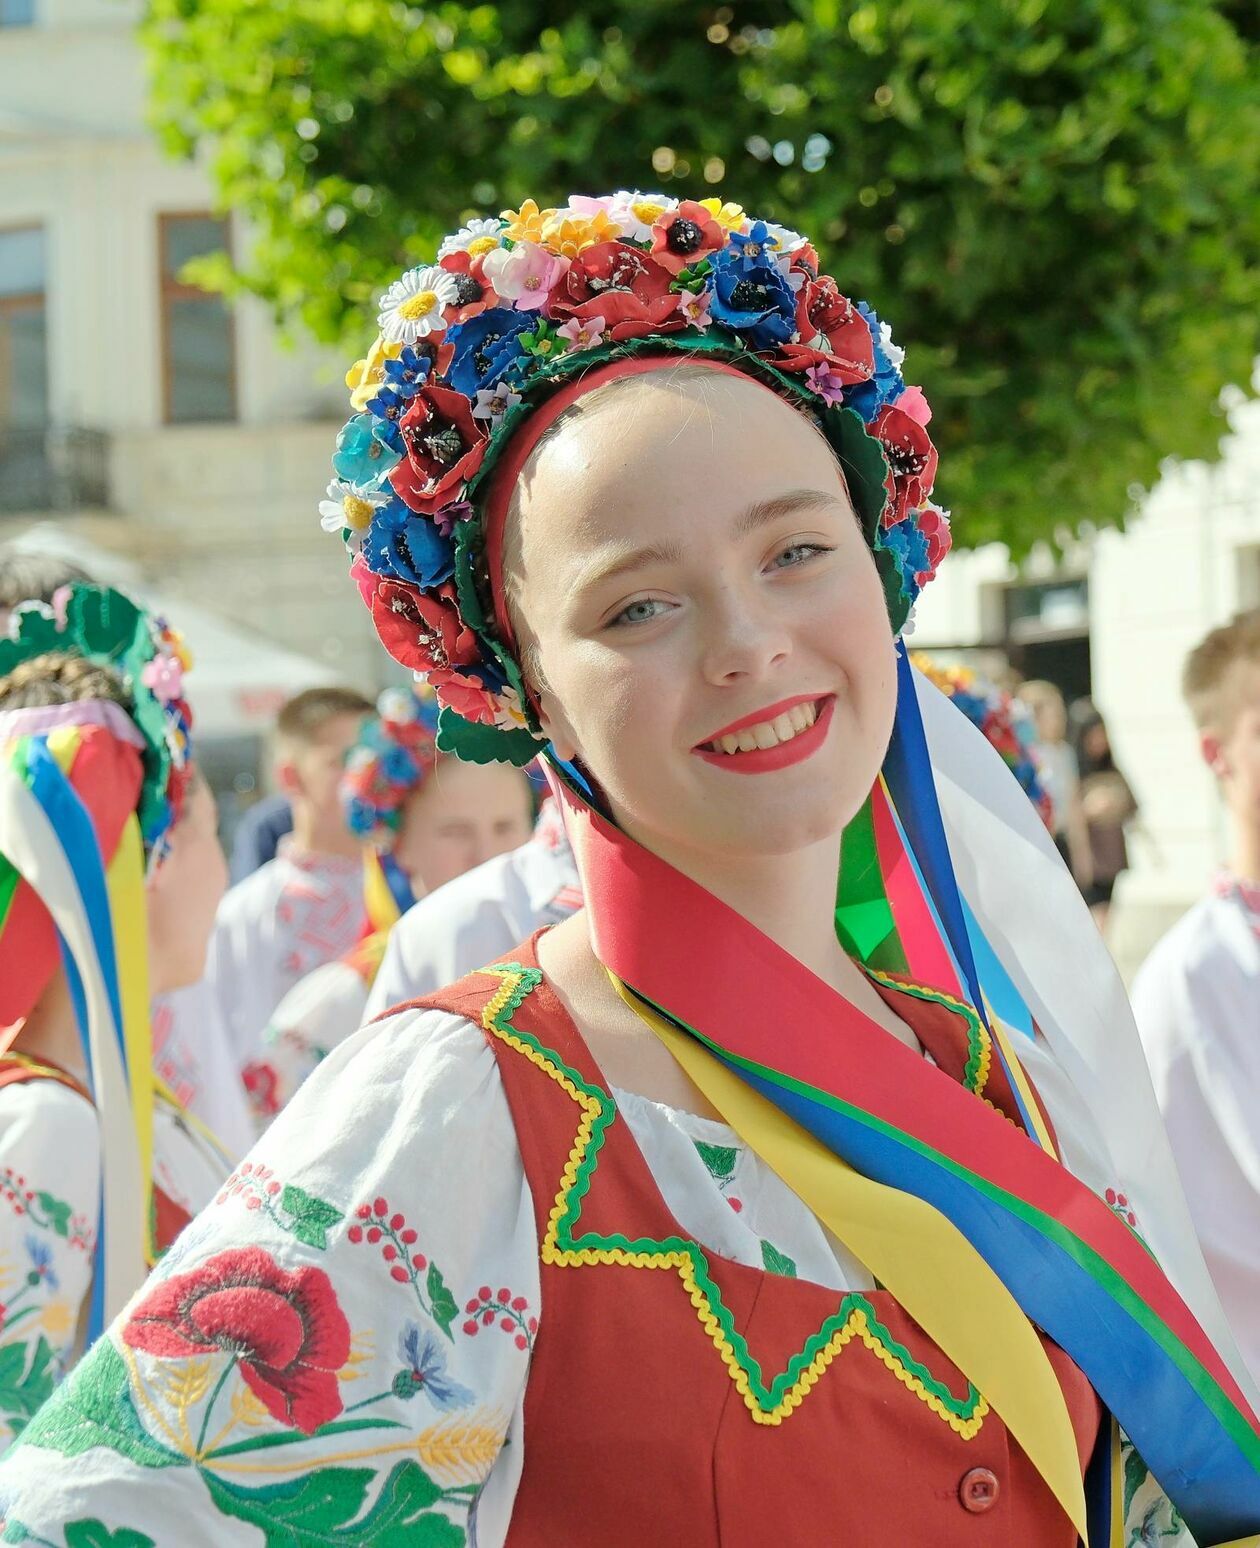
column 745, row 638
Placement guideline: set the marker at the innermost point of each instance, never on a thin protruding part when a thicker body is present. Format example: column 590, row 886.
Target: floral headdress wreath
column 1005, row 723
column 519, row 305
column 107, row 627
column 394, row 755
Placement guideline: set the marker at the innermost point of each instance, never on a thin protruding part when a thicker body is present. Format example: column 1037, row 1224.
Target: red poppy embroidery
column 285, row 1328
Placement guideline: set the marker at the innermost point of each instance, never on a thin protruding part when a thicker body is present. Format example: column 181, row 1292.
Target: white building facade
column 142, row 412
column 1116, row 619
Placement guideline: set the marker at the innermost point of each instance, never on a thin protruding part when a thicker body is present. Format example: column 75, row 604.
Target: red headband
column 515, row 456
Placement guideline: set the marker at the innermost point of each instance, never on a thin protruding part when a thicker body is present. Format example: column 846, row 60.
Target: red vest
column 676, row 1397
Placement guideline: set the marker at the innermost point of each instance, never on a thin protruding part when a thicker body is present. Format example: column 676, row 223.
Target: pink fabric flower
column 164, row 678
column 526, row 275
column 694, row 306
column 828, row 384
column 583, row 333
column 913, row 402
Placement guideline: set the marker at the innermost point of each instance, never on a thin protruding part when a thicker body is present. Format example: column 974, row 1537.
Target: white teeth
column 769, row 733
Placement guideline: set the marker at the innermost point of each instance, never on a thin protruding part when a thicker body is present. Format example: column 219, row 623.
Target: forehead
column 651, row 451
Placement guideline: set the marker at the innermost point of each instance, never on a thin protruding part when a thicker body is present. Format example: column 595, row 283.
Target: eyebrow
column 760, row 514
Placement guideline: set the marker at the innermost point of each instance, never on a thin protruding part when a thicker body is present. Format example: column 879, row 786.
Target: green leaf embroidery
column 312, row 1218
column 1136, row 1473
column 92, row 1533
column 720, row 1159
column 58, row 1212
column 23, row 1387
column 441, row 1300
column 323, row 1508
column 94, row 1409
column 776, row 1262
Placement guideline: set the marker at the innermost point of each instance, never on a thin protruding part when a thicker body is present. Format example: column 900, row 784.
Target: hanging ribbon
column 1074, row 1267
column 911, row 1249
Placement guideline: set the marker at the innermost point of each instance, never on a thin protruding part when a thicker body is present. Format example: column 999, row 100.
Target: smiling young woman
column 789, row 1191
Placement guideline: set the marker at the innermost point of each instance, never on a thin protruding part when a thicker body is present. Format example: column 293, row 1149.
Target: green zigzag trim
column 768, row 1397
column 975, row 1029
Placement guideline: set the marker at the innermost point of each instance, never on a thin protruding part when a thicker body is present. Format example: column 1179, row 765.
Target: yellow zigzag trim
column 856, row 1325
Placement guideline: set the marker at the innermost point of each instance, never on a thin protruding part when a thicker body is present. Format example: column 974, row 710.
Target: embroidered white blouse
column 342, row 1339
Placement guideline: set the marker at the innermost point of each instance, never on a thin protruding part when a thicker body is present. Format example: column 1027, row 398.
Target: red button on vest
column 978, row 1490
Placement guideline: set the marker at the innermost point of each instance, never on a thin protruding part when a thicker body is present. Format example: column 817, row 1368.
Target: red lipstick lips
column 766, row 760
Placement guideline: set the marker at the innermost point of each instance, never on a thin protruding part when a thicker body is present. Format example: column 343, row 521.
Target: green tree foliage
column 1054, row 200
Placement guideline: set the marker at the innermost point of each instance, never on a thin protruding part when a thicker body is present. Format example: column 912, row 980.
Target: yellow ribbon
column 918, row 1255
column 378, row 900
column 129, row 916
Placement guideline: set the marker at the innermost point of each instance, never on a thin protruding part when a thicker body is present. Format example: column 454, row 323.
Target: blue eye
column 642, row 611
column 798, row 553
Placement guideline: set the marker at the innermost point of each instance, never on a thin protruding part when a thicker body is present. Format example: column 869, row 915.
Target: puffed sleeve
column 50, row 1174
column 336, row 1349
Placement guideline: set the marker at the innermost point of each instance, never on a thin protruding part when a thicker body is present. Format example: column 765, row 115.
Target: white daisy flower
column 350, row 505
column 783, row 239
column 396, row 705
column 894, row 352
column 478, row 236
column 412, row 306
column 493, row 402
column 636, row 212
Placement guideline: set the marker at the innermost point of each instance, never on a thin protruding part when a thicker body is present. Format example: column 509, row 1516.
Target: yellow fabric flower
column 730, row 217
column 365, row 376
column 528, row 223
column 566, row 235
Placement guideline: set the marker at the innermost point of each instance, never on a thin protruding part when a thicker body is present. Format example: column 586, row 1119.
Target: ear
column 559, row 733
column 1212, row 753
column 288, row 780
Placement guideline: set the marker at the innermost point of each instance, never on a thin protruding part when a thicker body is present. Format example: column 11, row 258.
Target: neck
column 321, row 837
column 51, row 1031
column 1244, row 859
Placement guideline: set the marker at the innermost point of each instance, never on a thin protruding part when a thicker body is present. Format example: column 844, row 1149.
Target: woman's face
column 184, row 893
column 463, row 814
column 693, row 580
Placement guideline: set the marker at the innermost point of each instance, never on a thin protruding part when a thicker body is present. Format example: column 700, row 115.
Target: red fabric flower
column 285, row 1328
column 444, row 446
column 464, row 695
column 911, row 461
column 420, row 629
column 830, row 323
column 933, row 523
column 476, row 293
column 686, row 235
column 629, row 289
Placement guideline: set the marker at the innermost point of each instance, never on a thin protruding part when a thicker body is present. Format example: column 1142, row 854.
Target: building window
column 17, row 13
column 198, row 343
column 23, row 329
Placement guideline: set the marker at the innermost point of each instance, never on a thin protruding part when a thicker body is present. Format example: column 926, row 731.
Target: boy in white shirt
column 1197, row 996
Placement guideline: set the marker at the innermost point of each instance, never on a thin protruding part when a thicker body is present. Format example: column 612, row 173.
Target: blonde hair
column 58, row 677
column 1208, row 680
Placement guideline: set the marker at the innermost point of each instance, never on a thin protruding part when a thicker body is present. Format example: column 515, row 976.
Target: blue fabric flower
column 360, row 816
column 753, row 300
column 485, row 347
column 407, row 547
column 909, row 548
column 424, row 1370
column 398, row 766
column 408, row 373
column 886, row 386
column 748, row 250
column 365, row 451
